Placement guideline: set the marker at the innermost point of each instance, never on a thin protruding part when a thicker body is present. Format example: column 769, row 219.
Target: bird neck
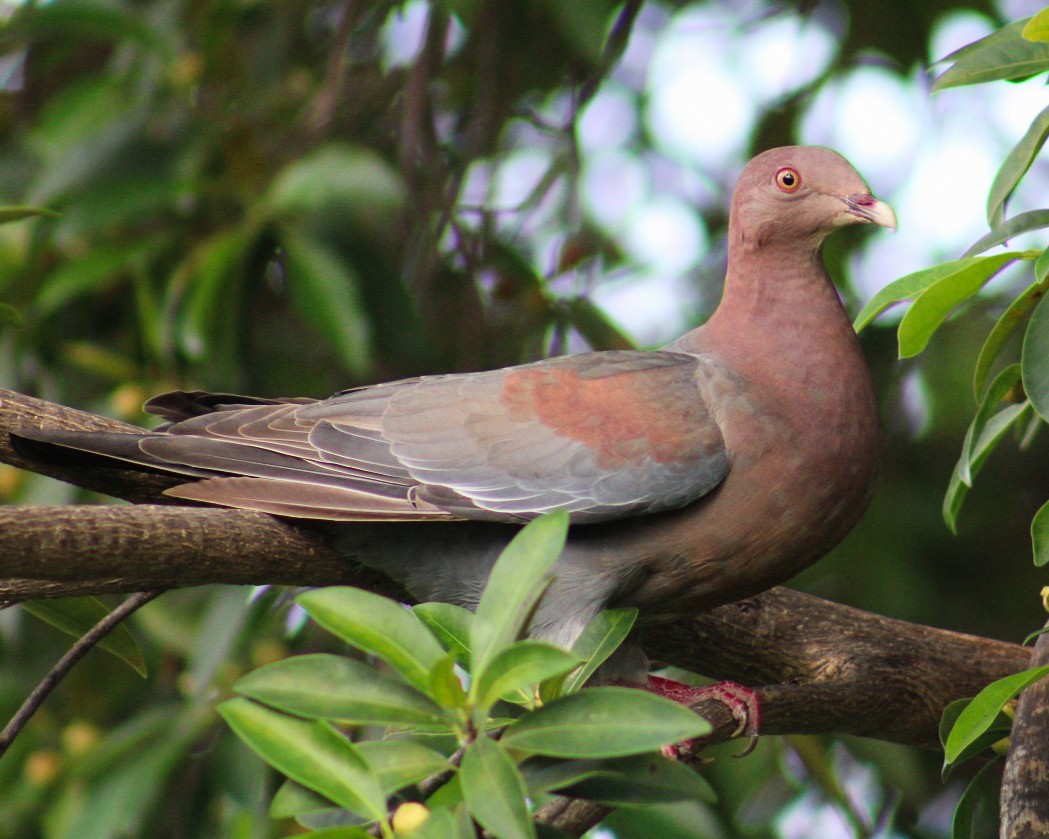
column 772, row 295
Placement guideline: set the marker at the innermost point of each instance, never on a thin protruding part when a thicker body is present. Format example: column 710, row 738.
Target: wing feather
column 601, row 435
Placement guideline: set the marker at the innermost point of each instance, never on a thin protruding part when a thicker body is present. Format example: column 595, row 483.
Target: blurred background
column 295, row 198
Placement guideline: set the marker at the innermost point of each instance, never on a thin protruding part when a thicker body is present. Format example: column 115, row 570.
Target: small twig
column 614, row 48
column 574, row 816
column 81, row 648
column 416, row 111
column 428, row 786
column 324, row 104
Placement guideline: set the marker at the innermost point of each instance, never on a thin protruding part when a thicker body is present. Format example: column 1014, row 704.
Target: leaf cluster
column 479, row 724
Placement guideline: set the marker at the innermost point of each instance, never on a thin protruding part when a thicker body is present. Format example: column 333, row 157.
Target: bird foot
column 742, row 701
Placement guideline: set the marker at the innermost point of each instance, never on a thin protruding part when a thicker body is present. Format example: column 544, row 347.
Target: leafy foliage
column 1018, row 396
column 296, row 712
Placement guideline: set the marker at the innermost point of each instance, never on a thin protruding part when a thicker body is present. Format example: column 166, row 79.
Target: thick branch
column 20, row 411
column 825, row 667
column 1025, row 784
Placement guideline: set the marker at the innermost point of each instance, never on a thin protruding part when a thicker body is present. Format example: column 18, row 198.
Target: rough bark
column 1024, row 798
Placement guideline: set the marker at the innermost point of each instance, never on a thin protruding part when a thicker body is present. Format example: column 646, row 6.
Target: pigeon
column 693, row 475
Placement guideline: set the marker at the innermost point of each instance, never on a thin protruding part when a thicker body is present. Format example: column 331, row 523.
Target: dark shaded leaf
column 1034, row 359
column 1012, row 317
column 76, row 615
column 1040, row 535
column 324, row 289
column 580, row 725
column 9, row 214
column 993, row 432
column 981, row 790
column 1000, row 387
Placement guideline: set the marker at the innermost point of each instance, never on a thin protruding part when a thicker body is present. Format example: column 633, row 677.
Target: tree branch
column 1025, row 784
column 824, row 667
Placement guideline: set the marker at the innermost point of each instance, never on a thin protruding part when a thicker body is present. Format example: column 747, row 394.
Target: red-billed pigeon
column 695, row 475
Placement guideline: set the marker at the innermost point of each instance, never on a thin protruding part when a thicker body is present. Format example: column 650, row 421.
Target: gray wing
column 601, row 435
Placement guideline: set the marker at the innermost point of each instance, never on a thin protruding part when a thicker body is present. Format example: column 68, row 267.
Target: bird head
column 799, row 195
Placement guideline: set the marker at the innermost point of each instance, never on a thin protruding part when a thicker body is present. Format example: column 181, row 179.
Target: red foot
column 741, row 701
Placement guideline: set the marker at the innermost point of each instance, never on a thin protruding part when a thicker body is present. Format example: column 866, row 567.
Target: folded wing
column 601, row 435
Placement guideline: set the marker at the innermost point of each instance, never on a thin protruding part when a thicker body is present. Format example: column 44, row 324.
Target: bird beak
column 867, row 208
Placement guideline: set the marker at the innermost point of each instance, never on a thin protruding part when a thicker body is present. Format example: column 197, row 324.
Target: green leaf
column 378, row 626
column 983, row 788
column 1004, row 54
column 445, row 687
column 83, row 20
column 517, row 669
column 1037, row 28
column 310, row 753
column 10, row 316
column 936, row 302
column 594, row 324
column 1040, row 535
column 292, row 800
column 9, row 214
column 998, row 729
column 641, row 779
column 598, row 640
column 324, row 289
column 213, row 273
column 341, row 832
column 1015, row 166
column 322, row 686
column 1020, row 223
column 979, row 714
column 98, row 269
column 1017, row 311
column 399, row 763
column 350, row 177
column 993, row 432
column 907, row 287
column 494, row 790
column 516, row 583
column 638, row 779
column 445, row 823
column 1034, row 359
column 1000, row 387
column 583, row 724
column 76, row 615
column 451, row 625
column 121, row 782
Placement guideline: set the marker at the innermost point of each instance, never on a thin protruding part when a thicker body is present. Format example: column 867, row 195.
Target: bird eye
column 788, row 179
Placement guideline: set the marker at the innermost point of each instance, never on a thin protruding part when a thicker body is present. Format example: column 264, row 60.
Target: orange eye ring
column 788, row 179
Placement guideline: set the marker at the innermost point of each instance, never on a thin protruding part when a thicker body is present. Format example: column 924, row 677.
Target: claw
column 742, row 701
